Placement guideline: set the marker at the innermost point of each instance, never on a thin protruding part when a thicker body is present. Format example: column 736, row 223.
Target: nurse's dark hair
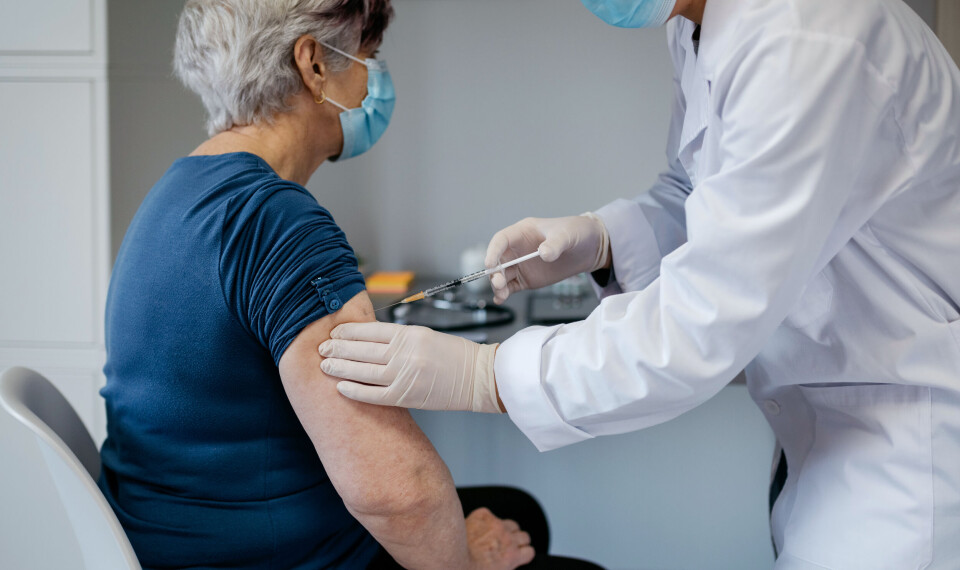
column 237, row 55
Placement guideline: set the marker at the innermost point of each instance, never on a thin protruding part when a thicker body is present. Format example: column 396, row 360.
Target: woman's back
column 205, row 461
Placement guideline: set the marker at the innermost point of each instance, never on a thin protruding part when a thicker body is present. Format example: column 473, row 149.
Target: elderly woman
column 228, row 447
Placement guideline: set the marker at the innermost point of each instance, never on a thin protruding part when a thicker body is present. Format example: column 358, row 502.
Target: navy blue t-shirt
column 205, row 463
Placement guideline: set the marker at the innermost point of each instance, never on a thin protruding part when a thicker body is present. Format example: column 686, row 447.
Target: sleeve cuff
column 636, row 254
column 517, row 369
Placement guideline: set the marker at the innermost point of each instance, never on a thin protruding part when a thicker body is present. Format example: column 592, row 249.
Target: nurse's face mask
column 632, row 13
column 363, row 126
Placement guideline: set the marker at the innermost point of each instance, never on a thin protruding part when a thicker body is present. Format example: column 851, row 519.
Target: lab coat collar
column 684, row 33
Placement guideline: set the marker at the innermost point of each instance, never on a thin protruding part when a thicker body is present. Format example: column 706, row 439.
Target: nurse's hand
column 411, row 367
column 496, row 543
column 568, row 246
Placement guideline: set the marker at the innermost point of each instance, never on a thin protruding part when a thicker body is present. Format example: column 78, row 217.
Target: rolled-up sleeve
column 284, row 264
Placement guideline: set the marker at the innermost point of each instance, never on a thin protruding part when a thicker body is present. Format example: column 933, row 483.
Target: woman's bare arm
column 385, row 469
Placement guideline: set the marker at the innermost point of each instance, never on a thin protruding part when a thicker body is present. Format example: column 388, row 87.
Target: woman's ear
column 308, row 56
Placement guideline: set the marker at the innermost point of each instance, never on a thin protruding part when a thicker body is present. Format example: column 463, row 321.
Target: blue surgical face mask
column 632, row 13
column 363, row 126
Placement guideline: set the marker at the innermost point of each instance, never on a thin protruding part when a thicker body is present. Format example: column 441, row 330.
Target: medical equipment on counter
column 449, row 315
column 470, row 258
column 465, row 279
column 565, row 302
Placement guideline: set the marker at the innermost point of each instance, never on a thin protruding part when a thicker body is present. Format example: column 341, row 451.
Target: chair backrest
column 53, row 515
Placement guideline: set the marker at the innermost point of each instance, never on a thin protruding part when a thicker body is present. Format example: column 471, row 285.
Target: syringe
column 465, row 279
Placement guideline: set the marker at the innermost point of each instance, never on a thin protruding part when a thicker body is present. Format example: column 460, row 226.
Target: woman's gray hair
column 237, row 55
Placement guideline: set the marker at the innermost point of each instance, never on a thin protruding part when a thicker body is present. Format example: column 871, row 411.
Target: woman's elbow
column 407, row 497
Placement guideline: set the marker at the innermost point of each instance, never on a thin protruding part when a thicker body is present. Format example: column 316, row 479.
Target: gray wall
column 153, row 120
column 927, row 9
column 507, row 108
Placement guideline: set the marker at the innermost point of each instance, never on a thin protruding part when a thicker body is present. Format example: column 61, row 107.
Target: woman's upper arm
column 373, row 455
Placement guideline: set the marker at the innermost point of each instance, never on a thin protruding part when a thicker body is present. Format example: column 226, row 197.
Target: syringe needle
column 387, row 307
column 409, row 299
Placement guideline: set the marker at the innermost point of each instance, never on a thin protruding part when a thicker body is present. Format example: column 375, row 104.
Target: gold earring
column 321, row 99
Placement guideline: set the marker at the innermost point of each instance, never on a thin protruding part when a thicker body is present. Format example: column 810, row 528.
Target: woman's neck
column 690, row 9
column 294, row 143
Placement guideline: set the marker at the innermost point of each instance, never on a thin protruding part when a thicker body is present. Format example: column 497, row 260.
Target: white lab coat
column 807, row 230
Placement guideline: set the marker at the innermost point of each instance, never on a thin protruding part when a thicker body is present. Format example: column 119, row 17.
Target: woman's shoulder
column 244, row 188
column 270, row 198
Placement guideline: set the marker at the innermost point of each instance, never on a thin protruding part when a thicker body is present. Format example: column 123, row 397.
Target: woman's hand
column 568, row 246
column 496, row 544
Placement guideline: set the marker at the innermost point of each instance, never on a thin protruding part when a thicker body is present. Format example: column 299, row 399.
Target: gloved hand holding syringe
column 465, row 279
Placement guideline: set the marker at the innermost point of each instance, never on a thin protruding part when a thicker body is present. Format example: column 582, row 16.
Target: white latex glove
column 568, row 246
column 411, row 367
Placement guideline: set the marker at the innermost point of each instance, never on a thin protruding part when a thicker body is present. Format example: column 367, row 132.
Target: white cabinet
column 54, row 199
column 48, row 27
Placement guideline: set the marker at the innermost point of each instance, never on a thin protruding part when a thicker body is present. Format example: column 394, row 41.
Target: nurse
column 806, row 230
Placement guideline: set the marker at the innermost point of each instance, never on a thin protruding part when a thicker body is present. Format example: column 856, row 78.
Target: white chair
column 52, row 514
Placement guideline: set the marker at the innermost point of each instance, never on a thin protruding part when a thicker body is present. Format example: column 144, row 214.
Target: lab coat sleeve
column 645, row 229
column 798, row 113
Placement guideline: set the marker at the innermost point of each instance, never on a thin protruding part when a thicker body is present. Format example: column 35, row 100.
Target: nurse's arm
column 384, row 468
